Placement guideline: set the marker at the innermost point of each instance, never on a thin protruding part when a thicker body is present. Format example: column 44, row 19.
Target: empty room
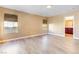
column 39, row 29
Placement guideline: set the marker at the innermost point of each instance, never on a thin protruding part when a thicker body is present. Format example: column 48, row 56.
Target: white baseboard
column 23, row 37
column 57, row 34
column 34, row 36
column 76, row 38
column 63, row 35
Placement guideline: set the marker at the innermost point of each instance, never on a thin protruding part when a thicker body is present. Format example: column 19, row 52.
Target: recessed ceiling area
column 42, row 10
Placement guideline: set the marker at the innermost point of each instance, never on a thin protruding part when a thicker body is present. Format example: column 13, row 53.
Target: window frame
column 12, row 27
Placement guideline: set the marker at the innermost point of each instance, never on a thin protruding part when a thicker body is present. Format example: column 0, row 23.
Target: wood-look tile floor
column 47, row 44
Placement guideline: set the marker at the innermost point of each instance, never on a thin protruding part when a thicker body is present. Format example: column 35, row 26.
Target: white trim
column 63, row 35
column 23, row 37
column 56, row 34
column 76, row 37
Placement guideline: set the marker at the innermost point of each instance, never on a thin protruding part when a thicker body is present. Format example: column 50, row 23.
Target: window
column 10, row 23
column 44, row 24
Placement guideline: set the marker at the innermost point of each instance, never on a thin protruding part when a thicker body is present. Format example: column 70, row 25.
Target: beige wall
column 32, row 24
column 28, row 24
column 58, row 23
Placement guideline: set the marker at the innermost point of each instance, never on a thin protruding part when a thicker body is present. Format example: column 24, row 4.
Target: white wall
column 56, row 25
column 76, row 26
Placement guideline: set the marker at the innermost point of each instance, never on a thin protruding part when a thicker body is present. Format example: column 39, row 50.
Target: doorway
column 45, row 25
column 69, row 26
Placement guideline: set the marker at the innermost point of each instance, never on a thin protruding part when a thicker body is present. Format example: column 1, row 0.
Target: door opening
column 69, row 26
column 44, row 26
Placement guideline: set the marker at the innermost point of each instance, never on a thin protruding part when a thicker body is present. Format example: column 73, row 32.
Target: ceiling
column 42, row 10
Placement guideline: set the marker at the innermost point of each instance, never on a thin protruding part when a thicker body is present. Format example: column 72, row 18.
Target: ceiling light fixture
column 48, row 6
